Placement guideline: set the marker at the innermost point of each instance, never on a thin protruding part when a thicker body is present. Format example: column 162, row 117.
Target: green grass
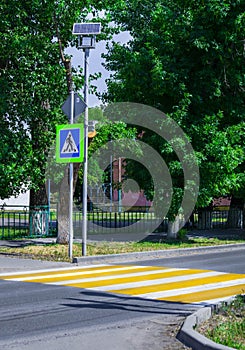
column 57, row 252
column 12, row 233
column 227, row 326
column 229, row 333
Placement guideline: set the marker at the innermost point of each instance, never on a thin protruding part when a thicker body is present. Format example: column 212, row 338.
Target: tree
column 32, row 84
column 186, row 59
column 36, row 77
column 100, row 146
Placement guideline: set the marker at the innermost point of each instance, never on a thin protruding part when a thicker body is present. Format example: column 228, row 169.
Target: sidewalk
column 17, row 263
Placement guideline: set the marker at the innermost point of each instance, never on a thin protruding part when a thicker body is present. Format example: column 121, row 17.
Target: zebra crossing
column 149, row 282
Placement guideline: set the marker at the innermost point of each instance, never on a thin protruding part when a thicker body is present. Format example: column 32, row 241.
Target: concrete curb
column 154, row 254
column 191, row 338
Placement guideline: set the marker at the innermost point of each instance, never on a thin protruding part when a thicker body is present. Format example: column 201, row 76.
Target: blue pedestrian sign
column 69, row 143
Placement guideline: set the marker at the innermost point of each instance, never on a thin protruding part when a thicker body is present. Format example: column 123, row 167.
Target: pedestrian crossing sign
column 69, row 143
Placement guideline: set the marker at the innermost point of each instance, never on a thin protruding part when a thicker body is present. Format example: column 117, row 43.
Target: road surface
column 135, row 305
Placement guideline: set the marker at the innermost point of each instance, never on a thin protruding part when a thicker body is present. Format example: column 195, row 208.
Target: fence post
column 235, row 218
column 205, row 219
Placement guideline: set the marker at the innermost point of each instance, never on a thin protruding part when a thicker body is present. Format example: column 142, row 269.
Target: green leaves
column 186, row 58
column 33, row 83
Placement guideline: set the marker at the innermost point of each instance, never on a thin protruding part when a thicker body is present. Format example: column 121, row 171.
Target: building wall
column 129, row 199
column 21, row 200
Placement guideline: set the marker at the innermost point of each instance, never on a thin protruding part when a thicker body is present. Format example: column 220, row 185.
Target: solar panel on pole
column 86, row 28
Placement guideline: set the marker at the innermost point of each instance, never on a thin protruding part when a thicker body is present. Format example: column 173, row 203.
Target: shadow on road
column 102, row 300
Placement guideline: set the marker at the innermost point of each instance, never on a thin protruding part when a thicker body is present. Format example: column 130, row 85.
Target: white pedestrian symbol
column 69, row 144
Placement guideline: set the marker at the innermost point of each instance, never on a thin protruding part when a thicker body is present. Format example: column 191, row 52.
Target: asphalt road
column 228, row 260
column 38, row 316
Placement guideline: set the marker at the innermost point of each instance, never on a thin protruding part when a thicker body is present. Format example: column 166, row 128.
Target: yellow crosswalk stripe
column 150, row 282
column 179, row 285
column 132, row 279
column 91, row 273
column 206, row 296
column 54, row 272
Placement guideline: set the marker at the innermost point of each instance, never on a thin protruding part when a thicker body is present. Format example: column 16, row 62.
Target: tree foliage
column 35, row 79
column 107, row 132
column 186, row 58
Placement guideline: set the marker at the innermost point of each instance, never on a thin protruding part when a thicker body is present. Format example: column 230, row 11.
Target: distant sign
column 79, row 106
column 69, row 143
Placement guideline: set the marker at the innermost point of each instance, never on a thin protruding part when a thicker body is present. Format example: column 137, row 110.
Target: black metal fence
column 214, row 219
column 120, row 222
column 23, row 221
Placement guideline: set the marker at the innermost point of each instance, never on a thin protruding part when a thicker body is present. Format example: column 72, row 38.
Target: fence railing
column 123, row 222
column 23, row 221
column 212, row 219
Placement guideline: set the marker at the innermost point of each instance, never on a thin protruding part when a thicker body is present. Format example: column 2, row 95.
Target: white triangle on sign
column 69, row 145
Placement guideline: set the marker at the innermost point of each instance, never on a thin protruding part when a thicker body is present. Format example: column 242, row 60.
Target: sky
column 95, row 64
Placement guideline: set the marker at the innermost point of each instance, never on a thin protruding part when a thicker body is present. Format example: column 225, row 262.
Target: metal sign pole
column 85, row 163
column 86, row 33
column 71, row 186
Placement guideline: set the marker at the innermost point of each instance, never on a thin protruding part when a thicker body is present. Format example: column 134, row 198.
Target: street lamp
column 86, row 33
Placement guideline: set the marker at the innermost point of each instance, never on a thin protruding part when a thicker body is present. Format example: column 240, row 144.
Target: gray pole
column 85, row 163
column 111, row 181
column 49, row 196
column 71, row 187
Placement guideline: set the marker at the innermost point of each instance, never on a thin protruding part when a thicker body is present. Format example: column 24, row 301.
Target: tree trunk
column 173, row 228
column 63, row 209
column 63, row 204
column 39, row 197
column 235, row 214
column 39, row 213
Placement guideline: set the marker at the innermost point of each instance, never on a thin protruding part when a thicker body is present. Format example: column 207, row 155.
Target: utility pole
column 71, row 186
column 85, row 162
column 86, row 33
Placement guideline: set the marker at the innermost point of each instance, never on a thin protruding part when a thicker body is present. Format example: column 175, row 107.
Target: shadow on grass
column 192, row 237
